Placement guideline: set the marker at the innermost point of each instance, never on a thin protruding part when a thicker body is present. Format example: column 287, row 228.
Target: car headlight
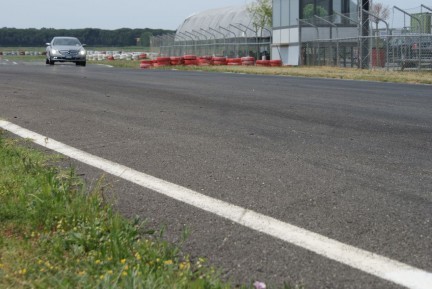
column 54, row 51
column 82, row 52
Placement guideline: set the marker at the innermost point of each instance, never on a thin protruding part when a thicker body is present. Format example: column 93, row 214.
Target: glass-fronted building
column 296, row 22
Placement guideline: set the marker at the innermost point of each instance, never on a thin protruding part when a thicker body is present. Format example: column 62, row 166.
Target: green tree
column 145, row 38
column 309, row 11
column 262, row 14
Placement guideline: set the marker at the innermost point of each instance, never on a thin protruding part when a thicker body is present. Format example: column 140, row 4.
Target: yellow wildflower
column 123, row 261
column 168, row 262
column 184, row 265
column 137, row 256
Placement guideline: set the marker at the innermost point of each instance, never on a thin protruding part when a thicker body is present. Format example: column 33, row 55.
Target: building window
column 309, row 8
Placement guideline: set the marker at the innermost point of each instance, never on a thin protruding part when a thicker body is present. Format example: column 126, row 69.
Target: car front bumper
column 68, row 58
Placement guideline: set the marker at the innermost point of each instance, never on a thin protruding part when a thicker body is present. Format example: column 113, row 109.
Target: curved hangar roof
column 217, row 19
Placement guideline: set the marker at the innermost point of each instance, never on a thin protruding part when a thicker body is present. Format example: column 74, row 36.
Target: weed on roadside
column 55, row 234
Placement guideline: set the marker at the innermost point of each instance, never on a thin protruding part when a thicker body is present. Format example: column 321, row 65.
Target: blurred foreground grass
column 54, row 233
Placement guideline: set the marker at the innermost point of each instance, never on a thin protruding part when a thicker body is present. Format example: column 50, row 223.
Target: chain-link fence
column 179, row 45
column 398, row 52
column 359, row 39
column 326, row 40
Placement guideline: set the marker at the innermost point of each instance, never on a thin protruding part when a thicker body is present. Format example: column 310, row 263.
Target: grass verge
column 56, row 234
column 414, row 77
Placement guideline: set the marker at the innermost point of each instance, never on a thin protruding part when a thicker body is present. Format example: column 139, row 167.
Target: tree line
column 31, row 37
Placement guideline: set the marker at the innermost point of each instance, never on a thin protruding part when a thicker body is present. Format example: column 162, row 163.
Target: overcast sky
column 106, row 14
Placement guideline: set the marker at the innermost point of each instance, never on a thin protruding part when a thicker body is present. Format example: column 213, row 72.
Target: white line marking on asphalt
column 105, row 65
column 365, row 261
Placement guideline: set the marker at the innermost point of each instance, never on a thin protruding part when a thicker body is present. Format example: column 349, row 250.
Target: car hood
column 67, row 47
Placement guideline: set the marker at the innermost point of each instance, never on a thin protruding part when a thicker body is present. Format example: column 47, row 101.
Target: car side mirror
column 48, row 44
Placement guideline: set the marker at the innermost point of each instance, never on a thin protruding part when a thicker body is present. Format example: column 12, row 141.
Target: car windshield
column 66, row 41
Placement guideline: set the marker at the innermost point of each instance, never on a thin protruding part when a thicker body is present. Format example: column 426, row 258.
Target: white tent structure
column 220, row 23
column 227, row 31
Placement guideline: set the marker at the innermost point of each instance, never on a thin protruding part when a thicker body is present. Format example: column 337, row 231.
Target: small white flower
column 259, row 285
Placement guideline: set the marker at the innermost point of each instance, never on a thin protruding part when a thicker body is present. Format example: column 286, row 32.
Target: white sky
column 106, row 14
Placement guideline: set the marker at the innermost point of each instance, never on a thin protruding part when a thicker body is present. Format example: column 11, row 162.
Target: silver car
column 65, row 49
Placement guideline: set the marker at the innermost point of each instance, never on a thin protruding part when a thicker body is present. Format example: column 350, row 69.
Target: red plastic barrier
column 147, row 61
column 219, row 58
column 207, row 57
column 248, row 63
column 175, row 60
column 218, row 63
column 189, row 57
column 247, row 58
column 190, row 62
column 276, row 62
column 263, row 63
column 163, row 59
column 204, row 61
column 234, row 60
column 161, row 64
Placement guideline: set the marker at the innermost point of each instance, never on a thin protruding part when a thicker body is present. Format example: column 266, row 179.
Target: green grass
column 56, row 234
column 414, row 77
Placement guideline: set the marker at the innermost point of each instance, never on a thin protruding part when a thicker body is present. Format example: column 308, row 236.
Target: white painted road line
column 365, row 261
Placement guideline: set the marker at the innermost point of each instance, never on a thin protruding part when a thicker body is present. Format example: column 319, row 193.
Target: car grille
column 69, row 52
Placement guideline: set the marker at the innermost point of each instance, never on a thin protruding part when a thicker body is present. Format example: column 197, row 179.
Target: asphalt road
column 348, row 160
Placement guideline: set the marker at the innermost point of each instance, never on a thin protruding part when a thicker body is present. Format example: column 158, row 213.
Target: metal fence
column 399, row 52
column 333, row 40
column 177, row 45
column 326, row 40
